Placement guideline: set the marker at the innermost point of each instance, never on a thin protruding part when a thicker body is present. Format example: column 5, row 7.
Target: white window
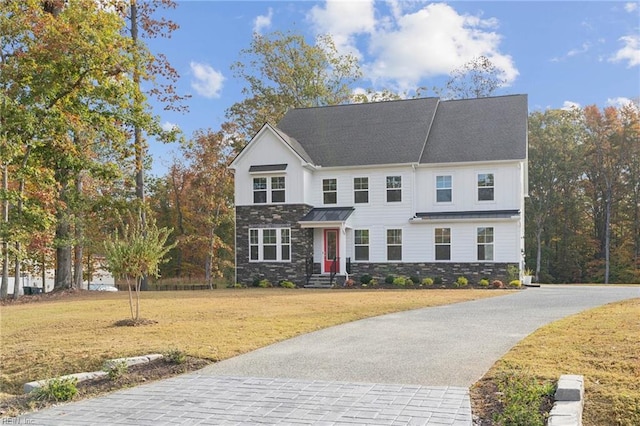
column 361, row 244
column 443, row 189
column 269, row 190
column 394, row 189
column 394, row 244
column 485, row 187
column 360, row 190
column 270, row 245
column 443, row 243
column 485, row 243
column 329, row 191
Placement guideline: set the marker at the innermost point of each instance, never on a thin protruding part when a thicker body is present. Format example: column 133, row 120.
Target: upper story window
column 394, row 189
column 485, row 243
column 269, row 190
column 330, row 191
column 361, row 190
column 443, row 243
column 485, row 187
column 361, row 244
column 394, row 244
column 443, row 189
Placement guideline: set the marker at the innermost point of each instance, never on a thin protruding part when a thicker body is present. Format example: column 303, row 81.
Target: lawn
column 603, row 344
column 77, row 333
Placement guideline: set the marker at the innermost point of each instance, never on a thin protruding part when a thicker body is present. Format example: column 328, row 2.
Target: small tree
column 137, row 253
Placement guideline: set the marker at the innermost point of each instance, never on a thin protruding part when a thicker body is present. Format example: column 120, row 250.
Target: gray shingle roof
column 395, row 132
column 359, row 134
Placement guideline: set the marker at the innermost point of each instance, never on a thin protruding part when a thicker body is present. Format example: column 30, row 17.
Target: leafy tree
column 135, row 254
column 478, row 78
column 283, row 71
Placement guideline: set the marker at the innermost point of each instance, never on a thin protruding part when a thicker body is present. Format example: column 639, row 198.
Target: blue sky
column 559, row 53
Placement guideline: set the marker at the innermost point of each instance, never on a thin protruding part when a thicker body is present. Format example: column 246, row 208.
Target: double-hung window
column 443, row 243
column 360, row 190
column 443, row 189
column 269, row 190
column 485, row 243
column 485, row 187
column 270, row 245
column 361, row 244
column 329, row 191
column 394, row 189
column 394, row 244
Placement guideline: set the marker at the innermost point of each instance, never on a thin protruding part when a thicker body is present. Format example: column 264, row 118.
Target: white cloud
column 619, row 102
column 407, row 45
column 630, row 52
column 434, row 41
column 262, row 22
column 343, row 20
column 206, row 81
column 583, row 49
column 569, row 105
column 631, row 7
column 168, row 126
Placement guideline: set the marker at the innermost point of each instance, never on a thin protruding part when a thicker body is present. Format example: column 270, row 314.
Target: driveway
column 411, row 367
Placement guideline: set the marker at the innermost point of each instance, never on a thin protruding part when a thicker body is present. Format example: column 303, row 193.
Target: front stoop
column 324, row 281
column 567, row 410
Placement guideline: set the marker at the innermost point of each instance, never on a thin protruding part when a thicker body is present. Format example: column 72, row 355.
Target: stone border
column 81, row 377
column 567, row 410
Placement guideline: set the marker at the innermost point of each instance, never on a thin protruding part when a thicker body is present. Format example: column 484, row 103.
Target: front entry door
column 331, row 251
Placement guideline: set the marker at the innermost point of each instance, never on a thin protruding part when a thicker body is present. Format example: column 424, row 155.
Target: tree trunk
column 79, row 238
column 607, row 233
column 538, row 252
column 17, row 281
column 63, row 276
column 4, row 287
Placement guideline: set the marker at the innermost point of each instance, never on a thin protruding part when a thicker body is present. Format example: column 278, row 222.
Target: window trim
column 269, row 189
column 279, row 244
column 450, row 188
column 492, row 187
column 485, row 243
column 355, row 191
column 387, row 188
column 387, row 245
column 330, row 191
column 437, row 244
column 368, row 245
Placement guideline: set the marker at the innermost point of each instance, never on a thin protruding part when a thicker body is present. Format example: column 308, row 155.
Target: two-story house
column 419, row 187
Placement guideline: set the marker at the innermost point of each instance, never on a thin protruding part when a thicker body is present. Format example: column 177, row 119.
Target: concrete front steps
column 324, row 281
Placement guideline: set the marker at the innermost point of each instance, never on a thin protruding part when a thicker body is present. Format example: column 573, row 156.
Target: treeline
column 75, row 120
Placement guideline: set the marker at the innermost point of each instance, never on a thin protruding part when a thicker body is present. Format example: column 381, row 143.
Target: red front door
column 331, row 251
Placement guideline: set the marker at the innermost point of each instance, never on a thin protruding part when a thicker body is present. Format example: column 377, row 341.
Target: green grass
column 77, row 333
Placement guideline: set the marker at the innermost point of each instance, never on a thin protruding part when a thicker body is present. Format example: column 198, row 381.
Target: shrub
column 366, row 279
column 415, row 280
column 513, row 273
column 265, row 283
column 349, row 283
column 522, row 397
column 461, row 282
column 497, row 284
column 400, row 281
column 176, row 356
column 256, row 282
column 389, row 279
column 427, row 281
column 115, row 370
column 484, row 283
column 287, row 284
column 58, row 389
column 236, row 285
column 373, row 282
column 437, row 281
column 515, row 284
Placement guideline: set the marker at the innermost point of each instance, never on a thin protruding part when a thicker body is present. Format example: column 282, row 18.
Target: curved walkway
column 405, row 368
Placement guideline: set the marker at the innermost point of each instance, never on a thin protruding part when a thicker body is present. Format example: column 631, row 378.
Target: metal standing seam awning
column 466, row 215
column 326, row 217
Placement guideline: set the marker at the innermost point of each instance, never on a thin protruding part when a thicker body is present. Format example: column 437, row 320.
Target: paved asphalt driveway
column 406, row 368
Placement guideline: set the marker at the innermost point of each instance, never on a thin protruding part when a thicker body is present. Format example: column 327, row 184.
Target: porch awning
column 322, row 217
column 480, row 214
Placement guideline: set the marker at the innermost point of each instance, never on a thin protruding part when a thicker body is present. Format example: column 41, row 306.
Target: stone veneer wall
column 273, row 216
column 449, row 272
